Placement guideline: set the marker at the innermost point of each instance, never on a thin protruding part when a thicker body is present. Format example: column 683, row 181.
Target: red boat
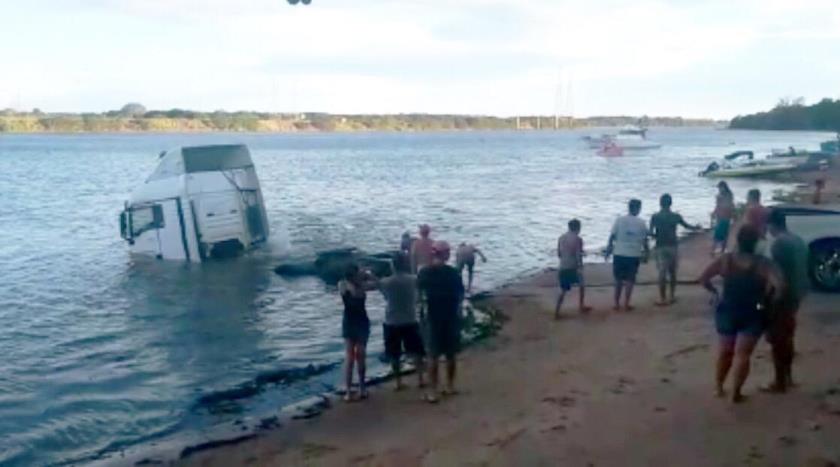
column 610, row 149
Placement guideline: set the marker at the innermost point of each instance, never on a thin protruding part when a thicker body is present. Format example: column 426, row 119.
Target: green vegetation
column 794, row 115
column 135, row 117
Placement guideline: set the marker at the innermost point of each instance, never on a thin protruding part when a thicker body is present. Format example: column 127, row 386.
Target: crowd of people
column 763, row 282
column 423, row 297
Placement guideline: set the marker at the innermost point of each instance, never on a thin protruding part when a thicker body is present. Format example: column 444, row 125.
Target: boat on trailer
column 201, row 202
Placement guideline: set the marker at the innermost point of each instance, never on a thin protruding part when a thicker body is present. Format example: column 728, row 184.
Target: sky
column 690, row 58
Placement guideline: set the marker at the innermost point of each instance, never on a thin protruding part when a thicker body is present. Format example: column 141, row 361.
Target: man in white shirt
column 629, row 245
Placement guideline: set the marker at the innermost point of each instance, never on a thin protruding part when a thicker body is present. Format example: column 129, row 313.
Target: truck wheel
column 825, row 265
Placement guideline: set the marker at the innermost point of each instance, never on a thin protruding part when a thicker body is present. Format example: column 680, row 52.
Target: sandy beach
column 605, row 388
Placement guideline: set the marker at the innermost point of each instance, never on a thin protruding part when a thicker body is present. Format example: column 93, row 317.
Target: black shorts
column 625, row 268
column 568, row 278
column 444, row 338
column 402, row 338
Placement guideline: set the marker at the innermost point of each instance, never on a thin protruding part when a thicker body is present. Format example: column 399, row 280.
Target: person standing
column 722, row 217
column 570, row 254
column 740, row 313
column 790, row 254
column 401, row 330
column 663, row 228
column 755, row 215
column 405, row 243
column 355, row 326
column 421, row 249
column 465, row 258
column 444, row 290
column 629, row 246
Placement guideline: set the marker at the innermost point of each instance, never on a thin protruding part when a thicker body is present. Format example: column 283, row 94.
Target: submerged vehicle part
column 200, row 202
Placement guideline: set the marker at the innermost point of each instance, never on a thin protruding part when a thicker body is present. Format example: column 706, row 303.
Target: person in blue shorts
column 629, row 245
column 570, row 253
column 750, row 281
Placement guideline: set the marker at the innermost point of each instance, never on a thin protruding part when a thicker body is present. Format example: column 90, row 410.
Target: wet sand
column 604, row 389
column 607, row 388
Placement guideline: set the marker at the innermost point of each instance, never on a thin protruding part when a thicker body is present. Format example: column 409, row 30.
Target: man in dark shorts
column 629, row 245
column 790, row 254
column 663, row 228
column 570, row 253
column 401, row 330
column 442, row 286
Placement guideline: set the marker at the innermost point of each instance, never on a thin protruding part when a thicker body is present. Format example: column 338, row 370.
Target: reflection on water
column 103, row 350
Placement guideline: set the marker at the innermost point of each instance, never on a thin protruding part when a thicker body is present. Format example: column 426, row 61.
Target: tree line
column 793, row 114
column 135, row 117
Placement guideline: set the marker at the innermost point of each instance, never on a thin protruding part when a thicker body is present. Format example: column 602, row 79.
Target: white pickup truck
column 819, row 226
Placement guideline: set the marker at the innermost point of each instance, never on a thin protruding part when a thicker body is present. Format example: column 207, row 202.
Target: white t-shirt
column 630, row 233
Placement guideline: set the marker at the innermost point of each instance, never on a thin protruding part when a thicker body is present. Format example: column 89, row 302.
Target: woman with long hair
column 355, row 326
column 722, row 217
column 750, row 281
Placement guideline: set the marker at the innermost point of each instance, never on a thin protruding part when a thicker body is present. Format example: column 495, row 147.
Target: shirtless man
column 421, row 249
column 570, row 254
column 465, row 257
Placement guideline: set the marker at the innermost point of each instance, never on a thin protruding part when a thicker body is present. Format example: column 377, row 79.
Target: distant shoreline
column 185, row 121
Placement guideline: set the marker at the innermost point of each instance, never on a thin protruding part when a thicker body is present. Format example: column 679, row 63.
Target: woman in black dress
column 355, row 326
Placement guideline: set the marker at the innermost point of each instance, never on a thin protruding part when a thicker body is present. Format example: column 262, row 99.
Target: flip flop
column 450, row 392
column 430, row 398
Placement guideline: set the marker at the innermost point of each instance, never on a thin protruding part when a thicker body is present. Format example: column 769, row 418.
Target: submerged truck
column 201, row 202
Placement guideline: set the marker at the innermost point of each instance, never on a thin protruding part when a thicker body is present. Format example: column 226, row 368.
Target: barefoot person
column 421, row 249
column 790, row 254
column 444, row 291
column 722, row 217
column 400, row 330
column 570, row 253
column 355, row 326
column 465, row 258
column 629, row 246
column 740, row 315
column 663, row 228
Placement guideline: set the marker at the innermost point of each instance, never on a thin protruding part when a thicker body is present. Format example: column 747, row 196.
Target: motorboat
column 790, row 155
column 610, row 149
column 744, row 164
column 200, row 202
column 630, row 137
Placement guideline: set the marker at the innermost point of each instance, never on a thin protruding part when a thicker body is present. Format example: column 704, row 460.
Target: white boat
column 629, row 137
column 791, row 155
column 200, row 202
column 744, row 164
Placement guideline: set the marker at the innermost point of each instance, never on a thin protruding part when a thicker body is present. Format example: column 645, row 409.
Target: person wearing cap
column 444, row 291
column 421, row 249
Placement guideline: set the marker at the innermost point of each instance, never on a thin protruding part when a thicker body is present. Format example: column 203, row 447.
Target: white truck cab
column 200, row 202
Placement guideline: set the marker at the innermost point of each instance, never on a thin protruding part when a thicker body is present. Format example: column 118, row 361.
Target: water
column 102, row 351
